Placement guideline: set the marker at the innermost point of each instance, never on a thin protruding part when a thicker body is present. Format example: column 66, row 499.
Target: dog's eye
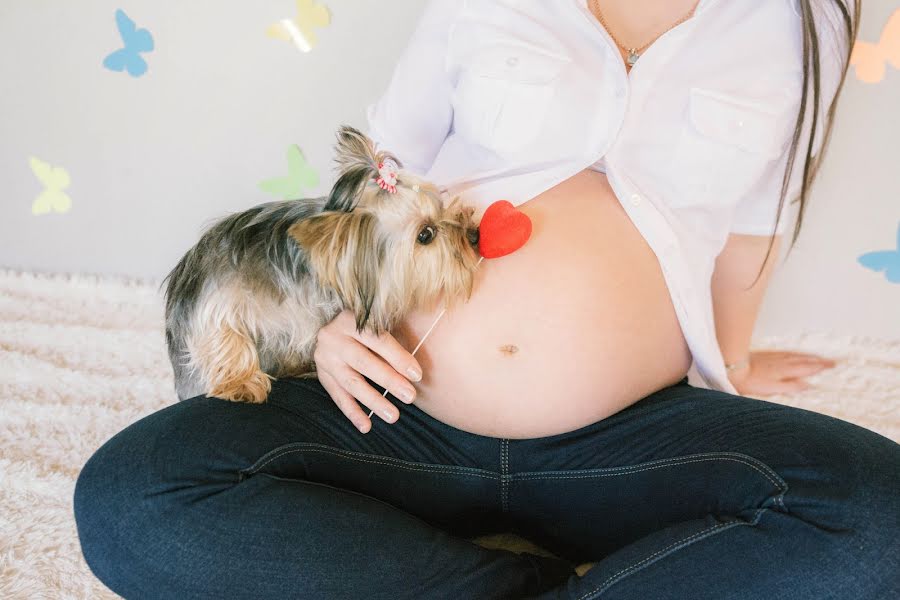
column 426, row 235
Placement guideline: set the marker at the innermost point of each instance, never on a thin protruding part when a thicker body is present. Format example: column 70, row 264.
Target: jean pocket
column 435, row 492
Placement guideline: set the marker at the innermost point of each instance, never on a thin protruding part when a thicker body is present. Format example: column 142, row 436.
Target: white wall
column 153, row 159
column 854, row 209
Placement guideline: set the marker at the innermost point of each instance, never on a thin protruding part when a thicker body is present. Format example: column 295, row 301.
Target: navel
column 508, row 349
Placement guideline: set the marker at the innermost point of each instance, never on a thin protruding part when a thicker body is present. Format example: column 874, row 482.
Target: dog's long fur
column 245, row 304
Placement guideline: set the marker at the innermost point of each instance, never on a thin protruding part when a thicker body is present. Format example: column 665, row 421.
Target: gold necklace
column 635, row 53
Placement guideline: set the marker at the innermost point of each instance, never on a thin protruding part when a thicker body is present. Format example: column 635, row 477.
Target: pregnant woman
column 653, row 144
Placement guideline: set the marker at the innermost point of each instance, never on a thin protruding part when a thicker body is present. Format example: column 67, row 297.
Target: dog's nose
column 472, row 236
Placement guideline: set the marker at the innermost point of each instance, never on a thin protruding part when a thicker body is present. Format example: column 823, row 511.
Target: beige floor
column 82, row 358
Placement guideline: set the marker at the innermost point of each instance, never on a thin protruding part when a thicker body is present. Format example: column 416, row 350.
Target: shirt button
column 635, row 199
column 512, row 61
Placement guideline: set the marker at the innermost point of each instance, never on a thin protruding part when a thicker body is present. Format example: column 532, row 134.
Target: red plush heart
column 503, row 230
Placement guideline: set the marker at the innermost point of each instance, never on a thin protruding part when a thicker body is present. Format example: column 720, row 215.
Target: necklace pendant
column 633, row 56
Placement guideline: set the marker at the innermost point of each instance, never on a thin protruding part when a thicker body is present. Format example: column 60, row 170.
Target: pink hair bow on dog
column 387, row 176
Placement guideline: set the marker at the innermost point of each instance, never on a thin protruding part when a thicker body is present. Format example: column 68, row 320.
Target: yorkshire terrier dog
column 245, row 304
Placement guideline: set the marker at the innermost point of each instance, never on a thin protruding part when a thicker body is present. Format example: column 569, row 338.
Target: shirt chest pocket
column 723, row 148
column 504, row 94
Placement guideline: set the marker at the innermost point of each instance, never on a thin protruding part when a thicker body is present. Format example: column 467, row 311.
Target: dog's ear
column 346, row 255
column 348, row 188
column 358, row 162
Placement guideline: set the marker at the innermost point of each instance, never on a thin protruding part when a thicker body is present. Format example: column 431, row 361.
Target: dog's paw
column 254, row 390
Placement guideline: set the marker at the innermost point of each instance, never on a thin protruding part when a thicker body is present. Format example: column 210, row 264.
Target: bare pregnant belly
column 573, row 327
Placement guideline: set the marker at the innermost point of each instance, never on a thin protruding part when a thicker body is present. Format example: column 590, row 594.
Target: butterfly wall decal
column 871, row 60
column 135, row 42
column 884, row 260
column 300, row 175
column 300, row 29
column 55, row 181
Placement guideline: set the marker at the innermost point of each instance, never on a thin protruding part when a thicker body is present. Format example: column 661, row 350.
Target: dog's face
column 386, row 253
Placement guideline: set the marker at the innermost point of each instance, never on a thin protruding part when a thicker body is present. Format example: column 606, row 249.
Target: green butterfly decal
column 300, row 175
column 55, row 180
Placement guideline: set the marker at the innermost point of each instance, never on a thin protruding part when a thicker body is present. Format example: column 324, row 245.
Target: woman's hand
column 775, row 372
column 343, row 356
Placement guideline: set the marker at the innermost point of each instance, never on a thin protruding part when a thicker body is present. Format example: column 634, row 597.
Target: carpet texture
column 81, row 358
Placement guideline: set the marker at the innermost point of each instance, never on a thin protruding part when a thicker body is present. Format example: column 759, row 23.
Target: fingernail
column 362, row 427
column 406, row 395
column 414, row 373
column 388, row 415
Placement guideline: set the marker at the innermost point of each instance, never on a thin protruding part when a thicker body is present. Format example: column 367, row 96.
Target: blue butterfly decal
column 136, row 41
column 884, row 260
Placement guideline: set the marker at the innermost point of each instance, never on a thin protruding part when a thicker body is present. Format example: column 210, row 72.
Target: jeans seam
column 766, row 471
column 613, row 579
column 504, row 474
column 363, row 457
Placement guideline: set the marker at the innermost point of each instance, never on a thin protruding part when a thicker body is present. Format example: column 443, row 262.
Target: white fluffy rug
column 81, row 358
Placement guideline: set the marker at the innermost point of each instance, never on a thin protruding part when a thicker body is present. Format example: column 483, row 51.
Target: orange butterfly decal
column 871, row 60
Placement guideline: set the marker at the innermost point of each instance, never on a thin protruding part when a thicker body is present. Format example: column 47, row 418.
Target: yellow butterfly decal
column 871, row 60
column 299, row 30
column 55, row 180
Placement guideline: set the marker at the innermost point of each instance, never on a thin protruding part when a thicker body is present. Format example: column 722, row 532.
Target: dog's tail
column 183, row 286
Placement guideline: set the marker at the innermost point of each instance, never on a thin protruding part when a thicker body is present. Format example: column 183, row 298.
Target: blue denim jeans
column 688, row 494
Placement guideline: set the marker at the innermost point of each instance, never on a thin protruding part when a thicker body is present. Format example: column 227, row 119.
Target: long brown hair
column 849, row 11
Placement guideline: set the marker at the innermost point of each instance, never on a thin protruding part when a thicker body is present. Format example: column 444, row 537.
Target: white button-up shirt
column 503, row 99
